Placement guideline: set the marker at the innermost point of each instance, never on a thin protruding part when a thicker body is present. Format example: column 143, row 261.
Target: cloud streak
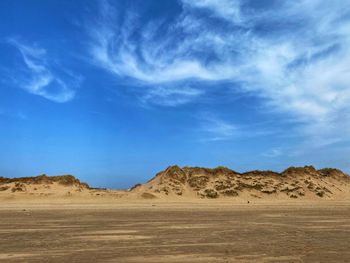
column 216, row 129
column 297, row 60
column 39, row 78
column 170, row 96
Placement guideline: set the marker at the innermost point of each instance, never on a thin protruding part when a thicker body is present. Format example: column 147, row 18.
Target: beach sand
column 106, row 230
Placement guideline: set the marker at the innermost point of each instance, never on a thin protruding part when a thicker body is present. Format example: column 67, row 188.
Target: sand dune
column 192, row 183
column 304, row 183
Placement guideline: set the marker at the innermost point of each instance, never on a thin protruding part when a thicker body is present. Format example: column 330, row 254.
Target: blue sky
column 114, row 91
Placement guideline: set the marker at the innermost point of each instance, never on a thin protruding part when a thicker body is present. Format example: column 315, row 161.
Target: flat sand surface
column 175, row 232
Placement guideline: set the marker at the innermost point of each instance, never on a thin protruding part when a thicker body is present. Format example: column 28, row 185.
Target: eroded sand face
column 175, row 232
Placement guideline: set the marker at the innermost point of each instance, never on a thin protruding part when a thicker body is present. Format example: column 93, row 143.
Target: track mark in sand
column 294, row 259
column 270, row 224
column 27, row 230
column 117, row 235
column 173, row 258
column 207, row 244
column 263, row 258
column 113, row 237
column 187, row 226
column 332, row 221
column 110, row 232
column 4, row 256
column 214, row 258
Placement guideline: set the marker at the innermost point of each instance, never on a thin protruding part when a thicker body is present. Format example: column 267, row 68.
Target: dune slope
column 188, row 183
column 221, row 182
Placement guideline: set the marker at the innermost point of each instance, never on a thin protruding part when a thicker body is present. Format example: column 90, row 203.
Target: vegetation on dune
column 66, row 180
column 294, row 182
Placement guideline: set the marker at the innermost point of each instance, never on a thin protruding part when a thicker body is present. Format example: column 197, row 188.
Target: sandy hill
column 42, row 185
column 54, row 188
column 221, row 182
column 188, row 183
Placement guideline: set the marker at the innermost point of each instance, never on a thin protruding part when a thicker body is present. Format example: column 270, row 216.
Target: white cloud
column 273, row 153
column 299, row 63
column 38, row 78
column 217, row 129
column 170, row 96
column 227, row 9
column 214, row 128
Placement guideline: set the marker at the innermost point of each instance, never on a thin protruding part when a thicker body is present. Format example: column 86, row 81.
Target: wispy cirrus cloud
column 226, row 9
column 146, row 60
column 294, row 55
column 170, row 96
column 36, row 74
column 217, row 129
column 273, row 153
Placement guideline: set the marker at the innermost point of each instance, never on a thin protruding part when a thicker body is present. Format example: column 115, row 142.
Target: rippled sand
column 175, row 232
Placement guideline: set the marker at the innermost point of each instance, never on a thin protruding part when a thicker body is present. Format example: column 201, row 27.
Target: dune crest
column 293, row 183
column 42, row 185
column 189, row 183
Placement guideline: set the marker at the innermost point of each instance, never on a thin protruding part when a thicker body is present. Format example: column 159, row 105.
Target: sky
column 115, row 91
